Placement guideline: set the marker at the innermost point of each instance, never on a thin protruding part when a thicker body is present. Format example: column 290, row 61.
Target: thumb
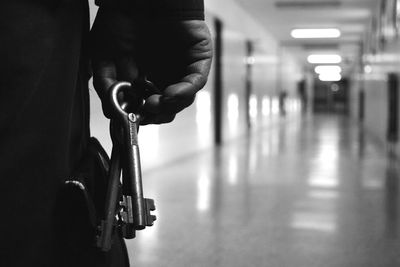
column 104, row 76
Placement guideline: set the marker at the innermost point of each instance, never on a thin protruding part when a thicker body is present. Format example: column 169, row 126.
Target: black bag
column 80, row 211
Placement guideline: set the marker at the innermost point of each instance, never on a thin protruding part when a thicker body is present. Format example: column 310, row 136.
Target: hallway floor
column 309, row 193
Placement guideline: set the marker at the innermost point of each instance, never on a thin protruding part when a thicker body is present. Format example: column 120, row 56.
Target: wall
column 377, row 61
column 290, row 73
column 356, row 85
column 233, row 77
column 265, row 89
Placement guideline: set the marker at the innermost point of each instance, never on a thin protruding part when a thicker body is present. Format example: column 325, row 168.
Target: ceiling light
column 306, row 4
column 331, row 77
column 315, row 33
column 328, row 69
column 367, row 69
column 324, row 59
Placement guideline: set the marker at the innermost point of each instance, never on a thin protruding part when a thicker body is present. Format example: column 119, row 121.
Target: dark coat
column 44, row 121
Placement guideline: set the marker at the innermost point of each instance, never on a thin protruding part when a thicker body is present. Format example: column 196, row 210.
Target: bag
column 81, row 208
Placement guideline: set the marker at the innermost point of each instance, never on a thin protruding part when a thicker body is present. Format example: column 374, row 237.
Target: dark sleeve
column 162, row 9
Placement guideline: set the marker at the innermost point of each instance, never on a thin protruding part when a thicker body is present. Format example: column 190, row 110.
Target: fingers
column 198, row 56
column 177, row 97
column 104, row 75
column 152, row 112
column 108, row 72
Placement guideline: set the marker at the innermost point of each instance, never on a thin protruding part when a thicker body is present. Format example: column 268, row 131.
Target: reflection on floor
column 311, row 193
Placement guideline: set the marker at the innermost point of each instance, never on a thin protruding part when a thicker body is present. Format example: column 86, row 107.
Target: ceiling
column 279, row 17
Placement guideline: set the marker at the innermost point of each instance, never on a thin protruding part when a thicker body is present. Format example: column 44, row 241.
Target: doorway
column 393, row 108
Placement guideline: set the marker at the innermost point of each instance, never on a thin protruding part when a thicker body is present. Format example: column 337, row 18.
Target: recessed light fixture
column 330, row 77
column 324, row 59
column 328, row 69
column 315, row 33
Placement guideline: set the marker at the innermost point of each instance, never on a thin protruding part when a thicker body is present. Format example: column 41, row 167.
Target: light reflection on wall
column 203, row 108
column 266, row 106
column 292, row 105
column 253, row 105
column 203, row 191
column 275, row 106
column 233, row 111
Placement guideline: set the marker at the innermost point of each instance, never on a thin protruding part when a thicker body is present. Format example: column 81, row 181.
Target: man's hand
column 174, row 55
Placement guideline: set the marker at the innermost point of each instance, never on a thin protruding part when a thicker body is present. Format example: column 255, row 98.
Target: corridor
column 309, row 192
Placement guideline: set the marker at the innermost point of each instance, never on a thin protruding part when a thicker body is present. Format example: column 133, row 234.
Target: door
column 393, row 107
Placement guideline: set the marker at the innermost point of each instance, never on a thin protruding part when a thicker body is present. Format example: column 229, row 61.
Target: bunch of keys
column 126, row 208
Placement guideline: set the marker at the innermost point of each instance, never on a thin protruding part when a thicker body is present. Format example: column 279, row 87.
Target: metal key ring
column 147, row 88
column 114, row 91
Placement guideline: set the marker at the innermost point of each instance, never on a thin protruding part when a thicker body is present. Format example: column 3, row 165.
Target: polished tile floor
column 313, row 192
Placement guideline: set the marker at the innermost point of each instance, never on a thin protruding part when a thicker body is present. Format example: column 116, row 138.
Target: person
column 45, row 53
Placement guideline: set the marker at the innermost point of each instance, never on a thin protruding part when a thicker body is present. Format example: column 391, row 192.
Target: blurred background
column 288, row 157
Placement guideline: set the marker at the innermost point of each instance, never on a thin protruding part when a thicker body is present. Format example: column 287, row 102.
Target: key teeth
column 150, row 204
column 151, row 219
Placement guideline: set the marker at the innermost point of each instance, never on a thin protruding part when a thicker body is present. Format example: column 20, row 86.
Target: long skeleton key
column 106, row 228
column 133, row 210
column 132, row 178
